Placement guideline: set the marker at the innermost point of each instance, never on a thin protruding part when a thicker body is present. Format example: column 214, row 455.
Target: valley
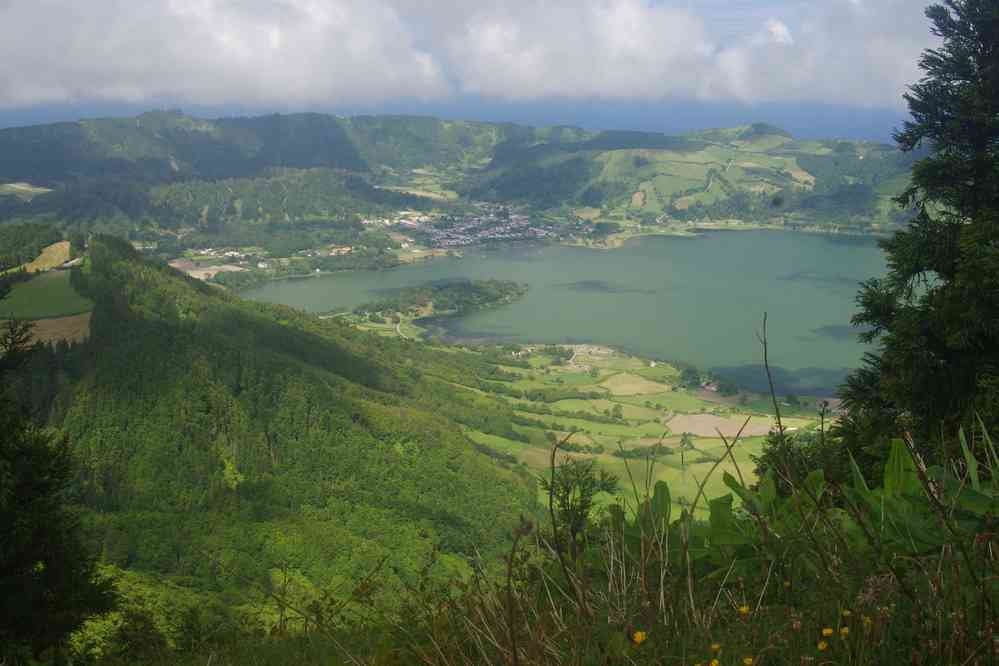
column 312, row 388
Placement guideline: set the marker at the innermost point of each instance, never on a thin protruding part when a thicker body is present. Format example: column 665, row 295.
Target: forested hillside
column 228, row 447
column 166, row 170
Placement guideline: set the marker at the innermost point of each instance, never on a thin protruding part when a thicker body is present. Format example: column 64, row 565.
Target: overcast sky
column 286, row 55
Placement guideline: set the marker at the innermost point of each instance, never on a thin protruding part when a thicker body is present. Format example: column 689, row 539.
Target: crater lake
column 698, row 300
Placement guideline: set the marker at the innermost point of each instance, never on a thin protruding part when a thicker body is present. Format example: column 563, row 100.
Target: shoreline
column 701, row 229
column 433, row 326
column 613, row 242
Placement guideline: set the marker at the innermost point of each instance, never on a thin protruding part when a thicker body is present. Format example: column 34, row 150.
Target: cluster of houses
column 330, row 251
column 489, row 223
column 229, row 255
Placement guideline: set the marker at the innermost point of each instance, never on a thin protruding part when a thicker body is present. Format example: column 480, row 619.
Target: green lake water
column 699, row 300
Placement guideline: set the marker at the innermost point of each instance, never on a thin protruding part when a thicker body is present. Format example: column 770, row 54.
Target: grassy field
column 74, row 328
column 653, row 409
column 43, row 296
column 651, row 406
column 53, row 256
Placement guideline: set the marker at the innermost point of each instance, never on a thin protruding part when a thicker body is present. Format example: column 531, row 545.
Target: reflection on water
column 603, row 287
column 811, row 381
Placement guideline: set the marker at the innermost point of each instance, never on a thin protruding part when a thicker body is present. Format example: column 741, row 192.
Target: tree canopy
column 935, row 315
column 48, row 580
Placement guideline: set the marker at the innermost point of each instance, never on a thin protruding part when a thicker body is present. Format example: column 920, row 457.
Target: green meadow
column 630, row 405
column 44, row 296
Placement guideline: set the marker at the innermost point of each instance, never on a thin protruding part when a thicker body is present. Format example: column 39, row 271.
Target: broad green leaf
column 767, row 491
column 900, row 472
column 662, row 503
column 728, row 538
column 748, row 497
column 969, row 460
column 721, row 517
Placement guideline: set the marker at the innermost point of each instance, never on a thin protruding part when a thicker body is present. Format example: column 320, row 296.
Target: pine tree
column 47, row 580
column 935, row 315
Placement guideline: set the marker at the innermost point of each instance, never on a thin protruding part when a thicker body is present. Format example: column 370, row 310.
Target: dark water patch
column 840, row 333
column 831, row 280
column 853, row 241
column 821, row 382
column 441, row 282
column 603, row 287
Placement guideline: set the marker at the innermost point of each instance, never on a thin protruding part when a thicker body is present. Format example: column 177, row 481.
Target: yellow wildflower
column 867, row 622
column 822, row 646
column 846, row 612
column 639, row 637
column 747, row 661
column 844, row 631
column 827, row 632
column 716, row 647
column 715, row 662
column 744, row 611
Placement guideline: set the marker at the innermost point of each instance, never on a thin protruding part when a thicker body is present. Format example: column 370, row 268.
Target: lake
column 699, row 300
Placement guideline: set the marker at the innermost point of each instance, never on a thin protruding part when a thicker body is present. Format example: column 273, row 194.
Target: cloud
column 289, row 52
column 329, row 53
column 778, row 32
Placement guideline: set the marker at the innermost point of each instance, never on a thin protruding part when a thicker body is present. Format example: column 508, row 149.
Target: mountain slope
column 221, row 443
column 756, row 172
column 112, row 172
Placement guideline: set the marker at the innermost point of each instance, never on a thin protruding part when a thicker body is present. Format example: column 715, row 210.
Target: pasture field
column 616, row 401
column 53, row 256
column 43, row 296
column 626, row 383
column 652, row 413
column 74, row 328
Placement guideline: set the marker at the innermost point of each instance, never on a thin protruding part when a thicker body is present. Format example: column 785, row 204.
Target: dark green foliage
column 795, row 455
column 449, row 296
column 572, row 488
column 934, row 316
column 407, row 142
column 20, row 243
column 643, row 453
column 760, row 130
column 541, row 185
column 221, row 442
column 48, row 583
column 690, row 377
column 603, row 229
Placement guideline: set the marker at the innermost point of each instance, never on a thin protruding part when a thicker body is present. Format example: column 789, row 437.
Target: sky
column 818, row 67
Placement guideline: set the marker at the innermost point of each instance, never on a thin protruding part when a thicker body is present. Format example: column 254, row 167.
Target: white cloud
column 779, row 32
column 289, row 52
column 325, row 53
column 590, row 49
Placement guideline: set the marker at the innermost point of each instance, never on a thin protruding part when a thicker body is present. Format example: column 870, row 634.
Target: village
column 414, row 235
column 488, row 223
